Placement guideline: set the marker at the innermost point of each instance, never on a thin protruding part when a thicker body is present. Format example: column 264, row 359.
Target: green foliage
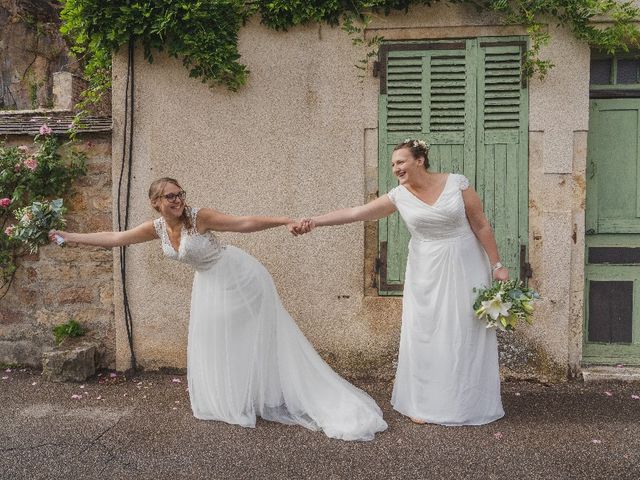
column 505, row 303
column 204, row 33
column 31, row 174
column 35, row 221
column 70, row 328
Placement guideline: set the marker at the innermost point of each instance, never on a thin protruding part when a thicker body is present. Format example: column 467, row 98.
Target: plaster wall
column 301, row 138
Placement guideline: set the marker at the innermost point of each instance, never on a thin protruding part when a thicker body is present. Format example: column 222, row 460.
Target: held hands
column 302, row 226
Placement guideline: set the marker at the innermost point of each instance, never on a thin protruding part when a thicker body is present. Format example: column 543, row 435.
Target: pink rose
column 9, row 230
column 31, row 163
column 5, row 202
column 45, row 130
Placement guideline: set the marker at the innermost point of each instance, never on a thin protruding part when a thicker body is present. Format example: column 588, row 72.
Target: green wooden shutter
column 401, row 109
column 426, row 96
column 501, row 176
column 617, row 209
column 431, row 91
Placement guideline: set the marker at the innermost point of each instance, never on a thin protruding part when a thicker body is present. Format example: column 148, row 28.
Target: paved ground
column 142, row 428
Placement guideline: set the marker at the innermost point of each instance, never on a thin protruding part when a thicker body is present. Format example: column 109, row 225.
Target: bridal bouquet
column 505, row 303
column 35, row 221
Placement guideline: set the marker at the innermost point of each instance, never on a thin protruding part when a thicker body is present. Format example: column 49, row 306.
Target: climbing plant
column 204, row 33
column 30, row 173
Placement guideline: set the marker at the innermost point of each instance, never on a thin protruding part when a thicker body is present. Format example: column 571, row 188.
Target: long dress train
column 246, row 357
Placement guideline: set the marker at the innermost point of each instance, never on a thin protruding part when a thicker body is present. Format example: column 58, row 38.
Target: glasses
column 172, row 197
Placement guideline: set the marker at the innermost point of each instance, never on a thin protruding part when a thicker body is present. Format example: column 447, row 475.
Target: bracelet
column 496, row 266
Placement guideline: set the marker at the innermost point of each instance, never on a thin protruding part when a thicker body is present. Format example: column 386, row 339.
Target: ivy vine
column 204, row 33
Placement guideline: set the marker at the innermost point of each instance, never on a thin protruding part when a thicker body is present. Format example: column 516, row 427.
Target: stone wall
column 31, row 50
column 63, row 283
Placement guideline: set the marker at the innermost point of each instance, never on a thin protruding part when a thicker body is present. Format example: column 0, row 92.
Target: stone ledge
column 608, row 373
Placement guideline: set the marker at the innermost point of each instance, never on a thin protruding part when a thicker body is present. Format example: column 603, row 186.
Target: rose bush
column 30, row 174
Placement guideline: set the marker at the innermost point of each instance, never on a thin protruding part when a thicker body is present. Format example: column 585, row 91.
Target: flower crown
column 417, row 143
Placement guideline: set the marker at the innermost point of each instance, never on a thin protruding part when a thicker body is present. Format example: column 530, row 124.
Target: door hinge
column 525, row 267
column 376, row 68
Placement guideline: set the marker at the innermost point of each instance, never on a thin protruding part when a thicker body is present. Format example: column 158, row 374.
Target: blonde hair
column 156, row 190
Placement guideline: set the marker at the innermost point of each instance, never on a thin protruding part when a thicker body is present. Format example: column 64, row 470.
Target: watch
column 496, row 266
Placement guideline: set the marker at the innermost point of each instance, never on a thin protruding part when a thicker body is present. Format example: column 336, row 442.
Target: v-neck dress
column 448, row 362
column 246, row 357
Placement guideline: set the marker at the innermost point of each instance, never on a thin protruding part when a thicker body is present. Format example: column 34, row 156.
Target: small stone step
column 602, row 373
column 73, row 363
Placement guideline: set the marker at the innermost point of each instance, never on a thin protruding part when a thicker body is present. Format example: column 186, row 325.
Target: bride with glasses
column 246, row 357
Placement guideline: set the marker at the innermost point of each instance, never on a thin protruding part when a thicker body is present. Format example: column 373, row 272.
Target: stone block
column 21, row 352
column 73, row 363
column 75, row 295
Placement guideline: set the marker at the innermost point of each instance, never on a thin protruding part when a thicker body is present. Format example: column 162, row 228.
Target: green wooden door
column 467, row 100
column 612, row 270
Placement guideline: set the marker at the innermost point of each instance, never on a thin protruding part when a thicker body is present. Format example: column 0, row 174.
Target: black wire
column 128, row 118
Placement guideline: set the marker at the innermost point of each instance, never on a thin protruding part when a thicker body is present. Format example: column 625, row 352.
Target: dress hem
column 444, row 423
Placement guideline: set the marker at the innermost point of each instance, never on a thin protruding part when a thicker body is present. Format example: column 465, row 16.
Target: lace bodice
column 201, row 250
column 445, row 218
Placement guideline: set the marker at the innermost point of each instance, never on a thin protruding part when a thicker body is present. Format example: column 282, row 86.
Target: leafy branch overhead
column 204, row 33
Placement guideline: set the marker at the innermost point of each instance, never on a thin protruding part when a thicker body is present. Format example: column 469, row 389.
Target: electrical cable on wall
column 127, row 155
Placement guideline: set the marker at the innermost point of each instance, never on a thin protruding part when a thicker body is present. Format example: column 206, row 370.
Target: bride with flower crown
column 448, row 362
column 246, row 356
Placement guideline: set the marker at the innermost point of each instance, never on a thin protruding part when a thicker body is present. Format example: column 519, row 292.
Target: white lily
column 496, row 307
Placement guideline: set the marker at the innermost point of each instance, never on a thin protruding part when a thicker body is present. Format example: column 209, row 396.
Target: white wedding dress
column 448, row 363
column 246, row 357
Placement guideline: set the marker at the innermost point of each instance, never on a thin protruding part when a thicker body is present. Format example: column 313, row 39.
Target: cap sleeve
column 393, row 193
column 463, row 182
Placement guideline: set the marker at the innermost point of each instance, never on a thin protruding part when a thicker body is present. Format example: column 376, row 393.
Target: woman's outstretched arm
column 210, row 219
column 374, row 210
column 142, row 233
